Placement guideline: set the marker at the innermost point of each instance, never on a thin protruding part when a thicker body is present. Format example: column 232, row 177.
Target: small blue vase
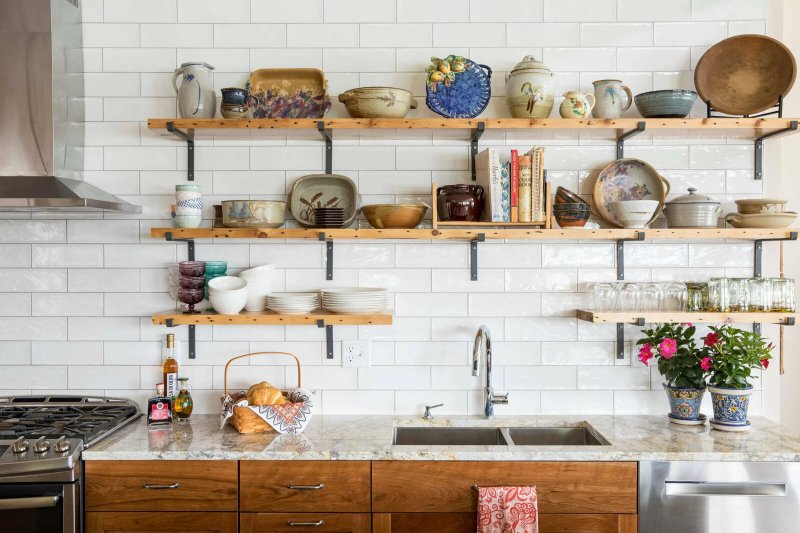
column 684, row 402
column 730, row 408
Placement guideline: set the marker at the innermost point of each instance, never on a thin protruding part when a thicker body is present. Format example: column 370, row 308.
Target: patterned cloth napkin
column 288, row 419
column 507, row 510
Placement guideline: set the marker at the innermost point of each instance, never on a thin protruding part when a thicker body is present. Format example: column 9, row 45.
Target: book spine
column 525, row 188
column 496, row 185
column 514, row 185
column 542, row 199
column 505, row 182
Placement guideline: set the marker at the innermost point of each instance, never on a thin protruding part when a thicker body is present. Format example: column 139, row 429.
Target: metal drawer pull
column 318, row 486
column 162, row 487
column 307, row 524
column 36, row 502
column 712, row 488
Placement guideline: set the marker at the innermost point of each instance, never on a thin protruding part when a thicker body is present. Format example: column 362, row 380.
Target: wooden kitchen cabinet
column 162, row 485
column 461, row 522
column 305, row 486
column 327, row 522
column 161, row 522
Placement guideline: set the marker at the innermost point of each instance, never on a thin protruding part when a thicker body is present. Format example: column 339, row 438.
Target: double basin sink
column 497, row 436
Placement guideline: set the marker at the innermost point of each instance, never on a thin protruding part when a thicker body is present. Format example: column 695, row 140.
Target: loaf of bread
column 264, row 394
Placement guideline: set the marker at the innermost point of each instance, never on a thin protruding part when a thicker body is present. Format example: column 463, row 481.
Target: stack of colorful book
column 513, row 190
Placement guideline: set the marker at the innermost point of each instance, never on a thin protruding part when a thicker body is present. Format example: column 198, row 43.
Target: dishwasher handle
column 725, row 488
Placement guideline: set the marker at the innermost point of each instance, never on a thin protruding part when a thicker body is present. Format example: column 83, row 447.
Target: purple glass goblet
column 192, row 268
column 191, row 297
column 188, row 282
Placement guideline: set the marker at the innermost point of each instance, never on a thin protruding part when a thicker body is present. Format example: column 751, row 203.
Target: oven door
column 40, row 507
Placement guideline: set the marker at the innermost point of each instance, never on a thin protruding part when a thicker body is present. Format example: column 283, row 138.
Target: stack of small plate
column 329, row 217
column 293, row 303
column 355, row 300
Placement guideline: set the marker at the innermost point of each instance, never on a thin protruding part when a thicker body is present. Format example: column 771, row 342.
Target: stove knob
column 20, row 445
column 61, row 445
column 41, row 445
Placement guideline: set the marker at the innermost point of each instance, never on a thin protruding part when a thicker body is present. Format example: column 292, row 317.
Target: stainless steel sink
column 448, row 436
column 485, row 436
column 559, row 436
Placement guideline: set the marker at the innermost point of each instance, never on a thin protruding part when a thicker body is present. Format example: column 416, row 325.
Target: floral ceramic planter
column 730, row 408
column 684, row 404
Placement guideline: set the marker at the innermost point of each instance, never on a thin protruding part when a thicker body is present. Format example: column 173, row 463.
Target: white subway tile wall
column 78, row 293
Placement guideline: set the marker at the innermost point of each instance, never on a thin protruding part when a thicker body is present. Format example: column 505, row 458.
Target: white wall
column 78, row 293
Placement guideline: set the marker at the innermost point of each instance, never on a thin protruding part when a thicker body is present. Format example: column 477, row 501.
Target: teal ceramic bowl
column 216, row 268
column 665, row 104
column 187, row 221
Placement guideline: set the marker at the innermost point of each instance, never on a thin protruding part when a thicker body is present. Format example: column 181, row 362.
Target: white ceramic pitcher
column 196, row 95
column 608, row 94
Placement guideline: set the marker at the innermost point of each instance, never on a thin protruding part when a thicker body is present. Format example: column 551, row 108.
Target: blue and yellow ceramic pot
column 730, row 408
column 684, row 403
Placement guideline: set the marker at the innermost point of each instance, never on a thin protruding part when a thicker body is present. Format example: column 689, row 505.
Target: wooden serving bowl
column 388, row 216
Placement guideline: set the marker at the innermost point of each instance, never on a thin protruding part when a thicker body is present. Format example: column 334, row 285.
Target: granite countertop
column 632, row 438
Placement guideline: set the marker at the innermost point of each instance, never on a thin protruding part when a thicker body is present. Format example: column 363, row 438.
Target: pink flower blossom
column 646, row 353
column 686, row 324
column 667, row 348
column 706, row 363
column 765, row 363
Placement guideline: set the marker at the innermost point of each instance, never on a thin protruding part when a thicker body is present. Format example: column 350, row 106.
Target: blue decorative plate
column 457, row 87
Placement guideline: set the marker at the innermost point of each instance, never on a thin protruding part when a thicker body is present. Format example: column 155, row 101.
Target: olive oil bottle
column 170, row 369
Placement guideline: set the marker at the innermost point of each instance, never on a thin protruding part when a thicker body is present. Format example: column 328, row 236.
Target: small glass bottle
column 760, row 294
column 183, row 402
column 170, row 369
column 783, row 295
column 159, row 408
column 697, row 297
column 719, row 296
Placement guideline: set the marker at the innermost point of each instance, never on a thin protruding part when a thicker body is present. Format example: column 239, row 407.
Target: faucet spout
column 483, row 342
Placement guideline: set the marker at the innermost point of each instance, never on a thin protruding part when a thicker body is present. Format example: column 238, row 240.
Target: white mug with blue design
column 609, row 102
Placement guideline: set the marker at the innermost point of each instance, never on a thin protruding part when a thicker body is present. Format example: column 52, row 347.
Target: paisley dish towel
column 507, row 510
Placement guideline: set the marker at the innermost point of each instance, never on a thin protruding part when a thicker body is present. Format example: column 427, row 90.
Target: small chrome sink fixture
column 497, row 436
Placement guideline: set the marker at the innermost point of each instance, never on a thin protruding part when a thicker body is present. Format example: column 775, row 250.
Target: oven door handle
column 725, row 488
column 36, row 502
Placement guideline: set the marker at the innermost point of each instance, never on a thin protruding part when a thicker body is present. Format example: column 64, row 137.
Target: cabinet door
column 162, row 486
column 460, row 522
column 284, row 522
column 161, row 522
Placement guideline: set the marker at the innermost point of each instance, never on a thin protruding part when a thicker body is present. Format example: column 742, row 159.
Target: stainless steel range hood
column 42, row 110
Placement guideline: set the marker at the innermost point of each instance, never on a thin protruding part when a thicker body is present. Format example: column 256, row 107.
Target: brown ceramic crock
column 462, row 203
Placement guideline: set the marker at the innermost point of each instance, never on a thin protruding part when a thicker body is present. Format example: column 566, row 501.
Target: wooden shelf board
column 702, row 318
column 467, row 234
column 490, row 224
column 249, row 128
column 271, row 318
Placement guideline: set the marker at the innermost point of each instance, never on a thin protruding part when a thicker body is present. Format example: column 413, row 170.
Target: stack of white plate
column 355, row 300
column 293, row 303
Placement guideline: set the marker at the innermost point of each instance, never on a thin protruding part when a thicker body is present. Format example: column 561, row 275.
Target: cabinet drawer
column 161, row 522
column 297, row 486
column 460, row 522
column 161, row 485
column 328, row 522
column 562, row 487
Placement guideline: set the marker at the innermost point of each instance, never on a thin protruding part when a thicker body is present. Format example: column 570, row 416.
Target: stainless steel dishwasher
column 718, row 497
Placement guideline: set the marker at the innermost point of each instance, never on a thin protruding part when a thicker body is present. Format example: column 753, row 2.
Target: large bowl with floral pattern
column 625, row 180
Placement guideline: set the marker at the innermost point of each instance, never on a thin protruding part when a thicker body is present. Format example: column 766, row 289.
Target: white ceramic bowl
column 263, row 270
column 227, row 294
column 227, row 284
column 635, row 213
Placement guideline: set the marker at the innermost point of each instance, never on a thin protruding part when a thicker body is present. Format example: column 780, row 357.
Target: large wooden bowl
column 746, row 74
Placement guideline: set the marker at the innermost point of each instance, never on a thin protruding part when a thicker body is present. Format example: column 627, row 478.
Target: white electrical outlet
column 356, row 353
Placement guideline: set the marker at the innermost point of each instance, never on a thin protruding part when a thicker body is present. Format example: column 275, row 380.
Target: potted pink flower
column 679, row 360
column 731, row 355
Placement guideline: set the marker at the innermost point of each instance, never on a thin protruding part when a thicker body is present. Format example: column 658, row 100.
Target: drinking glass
column 719, row 298
column 191, row 297
column 628, row 297
column 651, row 297
column 783, row 295
column 676, row 296
column 697, row 297
column 739, row 294
column 605, row 297
column 760, row 294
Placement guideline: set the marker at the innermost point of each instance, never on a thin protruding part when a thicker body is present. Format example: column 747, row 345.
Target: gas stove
column 48, row 433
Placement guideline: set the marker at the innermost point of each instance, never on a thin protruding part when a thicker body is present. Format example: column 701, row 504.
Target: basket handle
column 232, row 359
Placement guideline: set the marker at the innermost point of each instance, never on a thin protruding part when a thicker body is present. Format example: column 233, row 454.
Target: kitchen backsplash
column 78, row 293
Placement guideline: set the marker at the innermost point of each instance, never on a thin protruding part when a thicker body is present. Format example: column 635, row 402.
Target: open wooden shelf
column 747, row 128
column 700, row 318
column 468, row 234
column 316, row 318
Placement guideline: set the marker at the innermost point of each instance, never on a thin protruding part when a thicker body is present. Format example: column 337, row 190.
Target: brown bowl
column 390, row 216
column 565, row 196
column 572, row 219
column 755, row 206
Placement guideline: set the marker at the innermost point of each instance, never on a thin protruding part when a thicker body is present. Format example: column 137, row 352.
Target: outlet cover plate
column 356, row 353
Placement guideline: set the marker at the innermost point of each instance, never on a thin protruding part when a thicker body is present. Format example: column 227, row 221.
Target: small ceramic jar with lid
column 529, row 89
column 693, row 211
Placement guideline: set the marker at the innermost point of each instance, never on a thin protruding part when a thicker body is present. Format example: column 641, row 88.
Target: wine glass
column 191, row 297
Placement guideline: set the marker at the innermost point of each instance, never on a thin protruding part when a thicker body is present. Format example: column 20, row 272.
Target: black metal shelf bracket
column 620, row 248
column 170, row 323
column 477, row 133
column 328, row 255
column 759, row 147
column 189, row 148
column 189, row 242
column 640, row 127
column 326, row 135
column 473, row 256
column 328, row 338
column 758, row 249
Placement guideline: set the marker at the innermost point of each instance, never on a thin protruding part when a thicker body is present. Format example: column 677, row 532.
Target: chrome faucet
column 484, row 339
